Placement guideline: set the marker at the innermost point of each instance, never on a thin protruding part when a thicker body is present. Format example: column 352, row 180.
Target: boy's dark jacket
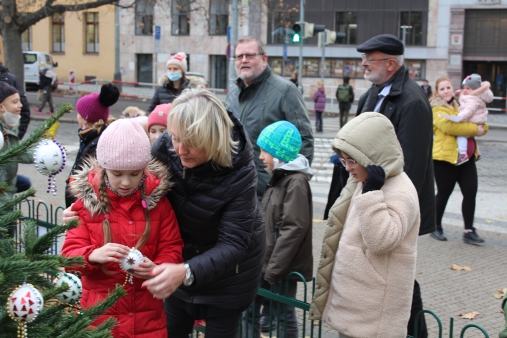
column 287, row 208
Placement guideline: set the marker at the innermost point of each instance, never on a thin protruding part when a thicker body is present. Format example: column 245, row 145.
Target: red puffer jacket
column 138, row 314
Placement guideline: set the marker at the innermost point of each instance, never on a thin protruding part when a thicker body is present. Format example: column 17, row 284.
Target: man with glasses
column 261, row 98
column 398, row 97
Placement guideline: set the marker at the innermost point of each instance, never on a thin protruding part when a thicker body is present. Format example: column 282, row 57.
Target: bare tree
column 14, row 20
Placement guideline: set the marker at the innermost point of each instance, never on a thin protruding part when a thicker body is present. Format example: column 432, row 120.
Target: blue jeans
column 22, row 183
column 277, row 312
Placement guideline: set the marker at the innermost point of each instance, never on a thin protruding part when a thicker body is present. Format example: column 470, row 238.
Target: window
column 144, row 17
column 180, row 17
column 414, row 69
column 219, row 17
column 92, row 32
column 26, row 39
column 412, row 24
column 58, row 33
column 281, row 26
column 346, row 22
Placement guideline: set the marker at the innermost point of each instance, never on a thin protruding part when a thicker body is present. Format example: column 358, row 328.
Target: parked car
column 32, row 59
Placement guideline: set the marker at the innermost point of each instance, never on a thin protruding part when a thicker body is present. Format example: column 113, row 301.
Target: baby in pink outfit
column 473, row 98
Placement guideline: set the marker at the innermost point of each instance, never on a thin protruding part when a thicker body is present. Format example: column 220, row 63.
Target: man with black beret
column 398, row 97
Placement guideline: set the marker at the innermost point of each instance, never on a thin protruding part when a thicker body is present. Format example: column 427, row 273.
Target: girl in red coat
column 121, row 205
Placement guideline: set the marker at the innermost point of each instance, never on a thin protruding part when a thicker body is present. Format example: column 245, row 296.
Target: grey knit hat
column 473, row 81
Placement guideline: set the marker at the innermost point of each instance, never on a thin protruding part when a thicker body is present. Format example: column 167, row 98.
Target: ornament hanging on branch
column 73, row 294
column 129, row 262
column 24, row 303
column 49, row 158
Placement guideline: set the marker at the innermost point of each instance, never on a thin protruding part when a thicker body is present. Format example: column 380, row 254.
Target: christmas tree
column 31, row 304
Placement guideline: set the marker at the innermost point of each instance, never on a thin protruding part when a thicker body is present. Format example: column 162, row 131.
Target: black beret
column 385, row 43
column 6, row 90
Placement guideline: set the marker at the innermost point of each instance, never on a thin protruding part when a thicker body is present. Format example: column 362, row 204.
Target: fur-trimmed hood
column 85, row 184
column 437, row 101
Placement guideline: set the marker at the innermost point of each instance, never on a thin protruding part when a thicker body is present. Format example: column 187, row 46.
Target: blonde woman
column 215, row 200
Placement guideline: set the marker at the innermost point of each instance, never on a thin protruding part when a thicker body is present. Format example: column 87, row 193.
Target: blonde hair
column 132, row 111
column 106, row 208
column 203, row 122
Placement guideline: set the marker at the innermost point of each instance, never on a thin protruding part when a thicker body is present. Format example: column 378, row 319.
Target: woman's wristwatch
column 189, row 275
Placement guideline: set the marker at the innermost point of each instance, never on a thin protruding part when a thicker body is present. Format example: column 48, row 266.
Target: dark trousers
column 417, row 305
column 344, row 116
column 22, row 183
column 446, row 176
column 46, row 97
column 277, row 312
column 180, row 316
column 338, row 181
column 318, row 120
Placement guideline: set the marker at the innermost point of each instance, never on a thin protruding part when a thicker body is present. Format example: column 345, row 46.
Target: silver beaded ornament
column 50, row 158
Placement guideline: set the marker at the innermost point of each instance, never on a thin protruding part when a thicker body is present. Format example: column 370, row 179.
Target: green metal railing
column 47, row 218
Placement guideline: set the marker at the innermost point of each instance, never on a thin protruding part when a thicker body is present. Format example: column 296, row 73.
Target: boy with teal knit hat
column 287, row 209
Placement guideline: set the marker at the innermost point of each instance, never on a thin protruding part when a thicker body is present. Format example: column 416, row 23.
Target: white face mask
column 10, row 118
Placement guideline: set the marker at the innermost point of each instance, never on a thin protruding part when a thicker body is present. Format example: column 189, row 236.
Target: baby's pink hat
column 124, row 145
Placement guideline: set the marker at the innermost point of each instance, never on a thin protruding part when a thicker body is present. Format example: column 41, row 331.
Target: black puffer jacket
column 87, row 147
column 14, row 81
column 221, row 225
column 164, row 94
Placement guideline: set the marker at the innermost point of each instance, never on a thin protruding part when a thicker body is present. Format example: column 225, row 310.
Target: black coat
column 220, row 223
column 87, row 148
column 164, row 94
column 410, row 112
column 13, row 80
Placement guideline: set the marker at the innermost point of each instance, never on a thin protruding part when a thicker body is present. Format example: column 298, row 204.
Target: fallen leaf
column 470, row 315
column 459, row 268
column 54, row 204
column 317, row 220
column 502, row 216
column 489, row 221
column 500, row 294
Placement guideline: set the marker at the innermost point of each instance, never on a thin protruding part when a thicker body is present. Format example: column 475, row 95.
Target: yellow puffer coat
column 445, row 145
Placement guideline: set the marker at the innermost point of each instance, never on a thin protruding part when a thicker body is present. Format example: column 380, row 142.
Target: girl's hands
column 480, row 130
column 143, row 270
column 457, row 94
column 166, row 278
column 111, row 252
column 68, row 215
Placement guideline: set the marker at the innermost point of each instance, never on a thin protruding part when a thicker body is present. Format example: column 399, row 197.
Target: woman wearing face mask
column 171, row 83
column 10, row 109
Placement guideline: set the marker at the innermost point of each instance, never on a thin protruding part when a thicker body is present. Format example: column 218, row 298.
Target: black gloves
column 376, row 178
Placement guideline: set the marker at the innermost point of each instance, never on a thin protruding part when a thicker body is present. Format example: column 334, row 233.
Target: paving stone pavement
column 445, row 291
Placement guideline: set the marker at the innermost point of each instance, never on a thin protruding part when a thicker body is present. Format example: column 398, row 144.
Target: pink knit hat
column 124, row 145
column 159, row 115
column 178, row 59
column 94, row 107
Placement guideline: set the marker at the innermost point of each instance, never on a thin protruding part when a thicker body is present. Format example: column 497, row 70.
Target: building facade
column 80, row 41
column 443, row 38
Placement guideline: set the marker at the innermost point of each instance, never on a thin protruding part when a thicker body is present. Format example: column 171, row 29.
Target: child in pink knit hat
column 121, row 204
column 93, row 118
column 157, row 121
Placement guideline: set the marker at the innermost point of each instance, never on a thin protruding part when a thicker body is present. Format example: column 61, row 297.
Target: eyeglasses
column 352, row 163
column 371, row 60
column 250, row 56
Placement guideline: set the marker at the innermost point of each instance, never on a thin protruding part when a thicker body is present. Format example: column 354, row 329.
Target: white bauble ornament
column 2, row 142
column 131, row 261
column 72, row 295
column 50, row 158
column 25, row 303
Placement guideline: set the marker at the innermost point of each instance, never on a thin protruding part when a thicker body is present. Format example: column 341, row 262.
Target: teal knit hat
column 281, row 140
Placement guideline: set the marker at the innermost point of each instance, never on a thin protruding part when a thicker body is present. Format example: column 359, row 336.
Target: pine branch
column 47, row 240
column 22, row 147
column 7, row 220
column 9, row 205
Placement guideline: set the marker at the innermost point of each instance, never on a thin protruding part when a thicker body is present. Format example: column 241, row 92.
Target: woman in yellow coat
column 445, row 155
